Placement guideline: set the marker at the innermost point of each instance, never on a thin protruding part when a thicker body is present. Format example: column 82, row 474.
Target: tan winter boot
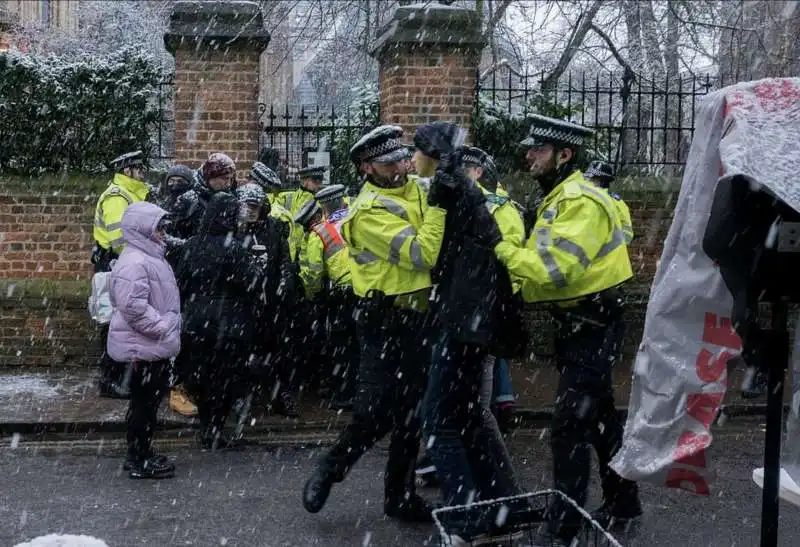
column 180, row 402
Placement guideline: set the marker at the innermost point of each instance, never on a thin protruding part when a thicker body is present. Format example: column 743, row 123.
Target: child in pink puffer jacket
column 144, row 331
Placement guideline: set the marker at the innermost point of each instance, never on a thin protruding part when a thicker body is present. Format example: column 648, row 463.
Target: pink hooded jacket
column 146, row 322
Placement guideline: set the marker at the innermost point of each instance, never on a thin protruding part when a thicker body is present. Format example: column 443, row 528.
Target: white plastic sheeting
column 679, row 379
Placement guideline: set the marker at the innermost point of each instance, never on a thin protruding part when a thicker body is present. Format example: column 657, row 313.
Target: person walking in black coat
column 225, row 292
column 263, row 236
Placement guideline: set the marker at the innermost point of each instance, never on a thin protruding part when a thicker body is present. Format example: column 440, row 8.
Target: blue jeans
column 452, row 424
column 503, row 393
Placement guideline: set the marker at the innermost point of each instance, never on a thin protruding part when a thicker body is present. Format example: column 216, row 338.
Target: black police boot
column 425, row 472
column 155, row 467
column 757, row 386
column 413, row 509
column 617, row 514
column 317, row 489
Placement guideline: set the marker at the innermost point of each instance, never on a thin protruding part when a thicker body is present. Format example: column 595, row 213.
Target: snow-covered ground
column 58, row 540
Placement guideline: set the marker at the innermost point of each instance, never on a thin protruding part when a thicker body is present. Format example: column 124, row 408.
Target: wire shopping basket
column 519, row 521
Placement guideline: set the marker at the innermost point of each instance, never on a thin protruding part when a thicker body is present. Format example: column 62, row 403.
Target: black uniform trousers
column 343, row 351
column 584, row 415
column 395, row 352
column 149, row 381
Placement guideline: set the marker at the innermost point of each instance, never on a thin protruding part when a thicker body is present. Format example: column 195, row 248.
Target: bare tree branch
column 579, row 32
column 614, row 51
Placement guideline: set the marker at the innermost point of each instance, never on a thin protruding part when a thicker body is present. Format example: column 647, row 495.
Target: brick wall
column 419, row 88
column 216, row 103
column 45, row 236
column 47, row 239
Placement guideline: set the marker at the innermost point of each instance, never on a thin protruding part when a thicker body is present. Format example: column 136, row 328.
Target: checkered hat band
column 558, row 135
column 382, row 149
column 469, row 158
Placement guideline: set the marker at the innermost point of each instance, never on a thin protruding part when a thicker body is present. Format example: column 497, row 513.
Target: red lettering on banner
column 710, row 368
column 703, row 407
column 691, row 449
column 719, row 331
column 686, row 479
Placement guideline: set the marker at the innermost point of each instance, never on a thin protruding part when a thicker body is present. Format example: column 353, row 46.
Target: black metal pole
column 777, row 354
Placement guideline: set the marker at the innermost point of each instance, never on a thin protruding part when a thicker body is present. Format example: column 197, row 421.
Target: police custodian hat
column 330, row 193
column 546, row 130
column 311, row 173
column 131, row 159
column 381, row 145
column 307, row 212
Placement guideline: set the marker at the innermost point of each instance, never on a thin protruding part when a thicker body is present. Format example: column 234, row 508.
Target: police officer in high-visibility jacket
column 393, row 235
column 326, row 276
column 272, row 185
column 311, row 179
column 575, row 261
column 126, row 188
column 602, row 174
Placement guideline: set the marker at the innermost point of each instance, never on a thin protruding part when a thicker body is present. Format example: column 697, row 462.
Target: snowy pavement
column 252, row 498
column 36, row 400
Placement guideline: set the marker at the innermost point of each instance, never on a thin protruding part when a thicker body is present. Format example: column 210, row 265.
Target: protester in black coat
column 224, row 291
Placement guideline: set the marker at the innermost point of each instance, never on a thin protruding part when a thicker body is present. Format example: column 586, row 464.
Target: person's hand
column 442, row 192
column 486, row 230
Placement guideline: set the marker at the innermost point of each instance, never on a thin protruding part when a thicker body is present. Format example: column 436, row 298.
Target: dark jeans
column 220, row 376
column 461, row 448
column 503, row 392
column 395, row 353
column 585, row 415
column 148, row 384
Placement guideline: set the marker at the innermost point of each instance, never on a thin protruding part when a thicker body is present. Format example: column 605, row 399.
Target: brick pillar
column 428, row 59
column 217, row 48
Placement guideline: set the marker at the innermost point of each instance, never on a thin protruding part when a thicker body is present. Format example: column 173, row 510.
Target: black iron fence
column 644, row 125
column 311, row 136
column 164, row 139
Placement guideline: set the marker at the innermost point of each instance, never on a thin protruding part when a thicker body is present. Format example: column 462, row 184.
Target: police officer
column 575, row 261
column 127, row 187
column 272, row 185
column 602, row 174
column 311, row 179
column 326, row 274
column 393, row 236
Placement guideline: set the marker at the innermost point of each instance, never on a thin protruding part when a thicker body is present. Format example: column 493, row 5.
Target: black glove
column 443, row 191
column 485, row 228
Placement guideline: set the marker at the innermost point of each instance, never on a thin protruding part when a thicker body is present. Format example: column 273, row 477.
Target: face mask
column 179, row 188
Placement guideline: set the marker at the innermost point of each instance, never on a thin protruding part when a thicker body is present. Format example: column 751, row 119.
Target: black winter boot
column 317, row 489
column 156, row 467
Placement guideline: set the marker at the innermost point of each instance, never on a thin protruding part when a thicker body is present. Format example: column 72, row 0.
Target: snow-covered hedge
column 74, row 114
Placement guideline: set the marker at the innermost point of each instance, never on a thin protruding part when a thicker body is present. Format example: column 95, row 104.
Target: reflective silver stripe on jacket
column 397, row 243
column 362, row 257
column 393, row 207
column 617, row 239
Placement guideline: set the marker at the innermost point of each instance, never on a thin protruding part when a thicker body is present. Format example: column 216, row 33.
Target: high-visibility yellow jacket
column 394, row 239
column 508, row 218
column 295, row 231
column 295, row 200
column 325, row 258
column 624, row 216
column 577, row 246
column 122, row 191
